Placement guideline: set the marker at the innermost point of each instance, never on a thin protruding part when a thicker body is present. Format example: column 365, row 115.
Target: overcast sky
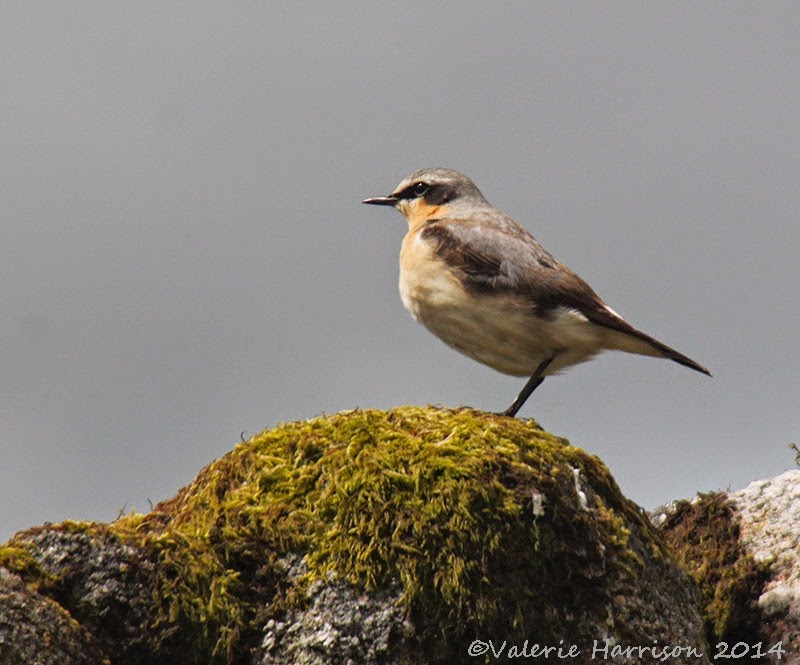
column 184, row 254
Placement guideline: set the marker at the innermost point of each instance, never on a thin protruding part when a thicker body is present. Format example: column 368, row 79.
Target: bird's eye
column 420, row 189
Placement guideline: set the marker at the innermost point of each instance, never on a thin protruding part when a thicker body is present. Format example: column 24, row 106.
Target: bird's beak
column 382, row 200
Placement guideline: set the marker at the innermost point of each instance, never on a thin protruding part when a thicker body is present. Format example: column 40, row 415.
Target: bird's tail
column 635, row 341
column 677, row 356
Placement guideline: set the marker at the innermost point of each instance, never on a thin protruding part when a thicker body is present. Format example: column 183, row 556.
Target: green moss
column 705, row 536
column 17, row 558
column 77, row 526
column 439, row 502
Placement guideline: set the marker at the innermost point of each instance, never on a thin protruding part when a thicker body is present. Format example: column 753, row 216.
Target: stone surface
column 769, row 513
column 339, row 625
column 103, row 583
column 35, row 630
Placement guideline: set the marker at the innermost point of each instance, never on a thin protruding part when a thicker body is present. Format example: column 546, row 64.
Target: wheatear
column 483, row 284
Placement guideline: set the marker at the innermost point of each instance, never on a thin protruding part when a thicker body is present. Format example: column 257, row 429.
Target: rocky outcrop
column 423, row 535
column 743, row 551
column 769, row 514
column 35, row 630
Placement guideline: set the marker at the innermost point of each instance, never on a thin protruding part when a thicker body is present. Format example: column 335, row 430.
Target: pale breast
column 427, row 284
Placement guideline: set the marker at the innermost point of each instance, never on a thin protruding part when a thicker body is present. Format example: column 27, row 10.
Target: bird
column 484, row 285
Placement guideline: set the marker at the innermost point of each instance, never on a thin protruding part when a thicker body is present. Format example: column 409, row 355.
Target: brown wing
column 503, row 257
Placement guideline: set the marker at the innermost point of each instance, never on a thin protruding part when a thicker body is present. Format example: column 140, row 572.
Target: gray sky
column 184, row 254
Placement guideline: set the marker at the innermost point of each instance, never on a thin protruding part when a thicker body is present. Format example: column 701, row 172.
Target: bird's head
column 433, row 193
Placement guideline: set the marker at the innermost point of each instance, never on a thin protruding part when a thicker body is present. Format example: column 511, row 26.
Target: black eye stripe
column 415, row 191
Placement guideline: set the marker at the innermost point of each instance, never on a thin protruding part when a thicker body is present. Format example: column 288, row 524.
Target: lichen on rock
column 769, row 514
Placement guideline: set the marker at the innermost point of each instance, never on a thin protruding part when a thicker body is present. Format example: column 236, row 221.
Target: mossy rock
column 705, row 536
column 470, row 525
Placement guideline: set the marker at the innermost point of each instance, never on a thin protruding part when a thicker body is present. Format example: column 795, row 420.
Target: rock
column 769, row 514
column 337, row 625
column 413, row 535
column 35, row 630
column 106, row 585
column 743, row 551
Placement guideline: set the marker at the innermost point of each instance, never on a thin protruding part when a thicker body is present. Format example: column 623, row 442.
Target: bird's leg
column 533, row 383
